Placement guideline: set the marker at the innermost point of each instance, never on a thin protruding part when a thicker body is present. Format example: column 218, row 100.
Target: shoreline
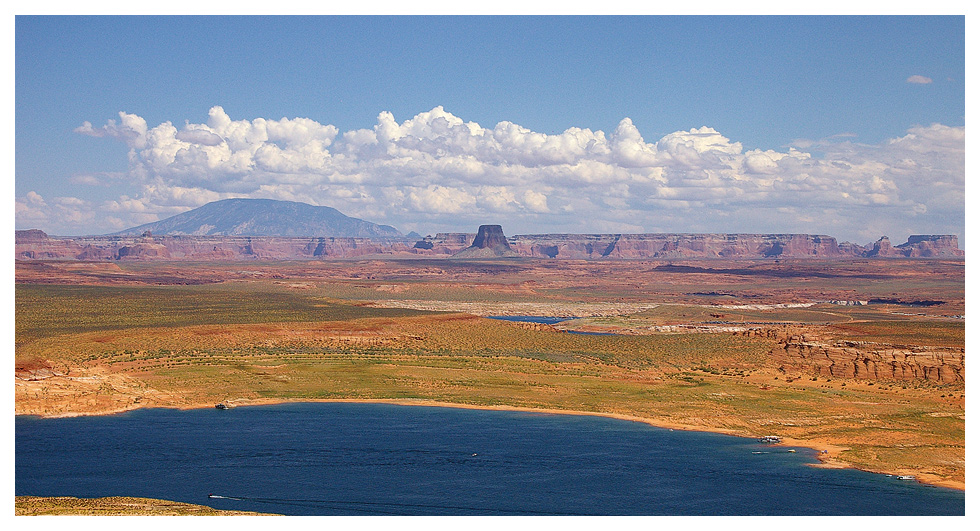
column 827, row 453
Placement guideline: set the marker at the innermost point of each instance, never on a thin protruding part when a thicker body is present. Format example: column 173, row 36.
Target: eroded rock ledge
column 871, row 361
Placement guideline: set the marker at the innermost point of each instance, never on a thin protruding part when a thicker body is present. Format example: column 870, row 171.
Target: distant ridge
column 221, row 239
column 264, row 217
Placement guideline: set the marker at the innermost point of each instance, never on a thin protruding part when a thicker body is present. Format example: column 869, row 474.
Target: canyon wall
column 676, row 246
column 36, row 245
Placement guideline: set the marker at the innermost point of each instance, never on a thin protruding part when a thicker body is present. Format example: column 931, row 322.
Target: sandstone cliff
column 938, row 245
column 871, row 361
column 35, row 245
column 676, row 246
column 443, row 243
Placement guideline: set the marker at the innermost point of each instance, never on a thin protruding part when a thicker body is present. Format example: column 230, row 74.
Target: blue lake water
column 545, row 320
column 530, row 318
column 351, row 459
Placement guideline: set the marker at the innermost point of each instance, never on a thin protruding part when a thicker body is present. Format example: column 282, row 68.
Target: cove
column 546, row 320
column 529, row 319
column 383, row 459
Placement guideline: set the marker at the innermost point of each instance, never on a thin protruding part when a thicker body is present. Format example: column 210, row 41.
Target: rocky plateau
column 266, row 229
column 34, row 244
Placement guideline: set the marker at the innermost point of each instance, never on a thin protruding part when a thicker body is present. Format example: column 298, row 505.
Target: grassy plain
column 97, row 338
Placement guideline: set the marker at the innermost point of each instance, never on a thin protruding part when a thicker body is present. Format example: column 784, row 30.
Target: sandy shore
column 828, row 452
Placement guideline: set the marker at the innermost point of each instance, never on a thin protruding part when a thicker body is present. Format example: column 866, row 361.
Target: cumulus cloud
column 199, row 136
column 919, row 80
column 440, row 200
column 131, row 129
column 59, row 212
column 437, row 171
column 34, row 199
column 535, row 201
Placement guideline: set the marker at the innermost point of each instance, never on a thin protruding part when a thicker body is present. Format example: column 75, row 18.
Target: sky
column 853, row 127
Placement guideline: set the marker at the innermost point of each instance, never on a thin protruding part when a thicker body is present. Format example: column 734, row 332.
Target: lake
column 529, row 319
column 383, row 459
column 545, row 320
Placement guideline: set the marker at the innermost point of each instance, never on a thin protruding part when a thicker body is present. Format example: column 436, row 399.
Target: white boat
column 770, row 439
column 906, row 478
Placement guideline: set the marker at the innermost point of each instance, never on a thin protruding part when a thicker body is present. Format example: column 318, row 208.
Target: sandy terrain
column 162, row 360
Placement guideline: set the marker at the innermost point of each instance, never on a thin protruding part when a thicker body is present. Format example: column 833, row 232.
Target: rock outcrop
column 870, row 361
column 443, row 244
column 931, row 246
column 490, row 242
column 882, row 249
column 30, row 235
column 142, row 251
column 918, row 246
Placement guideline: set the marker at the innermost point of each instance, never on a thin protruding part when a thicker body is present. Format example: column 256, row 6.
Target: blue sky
column 847, row 126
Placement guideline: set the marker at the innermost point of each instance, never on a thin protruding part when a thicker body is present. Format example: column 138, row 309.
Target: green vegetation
column 303, row 331
column 685, row 314
column 50, row 310
column 907, row 332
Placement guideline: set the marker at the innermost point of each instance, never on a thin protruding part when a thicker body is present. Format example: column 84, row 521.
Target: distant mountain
column 264, row 217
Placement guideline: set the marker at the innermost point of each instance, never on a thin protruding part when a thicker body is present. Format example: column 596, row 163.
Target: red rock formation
column 35, row 245
column 574, row 246
column 443, row 244
column 676, row 246
column 142, row 251
column 871, row 361
column 490, row 242
column 30, row 235
column 851, row 249
column 931, row 246
column 882, row 249
column 91, row 253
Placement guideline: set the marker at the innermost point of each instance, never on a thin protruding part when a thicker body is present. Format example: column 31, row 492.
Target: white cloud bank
column 437, row 172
